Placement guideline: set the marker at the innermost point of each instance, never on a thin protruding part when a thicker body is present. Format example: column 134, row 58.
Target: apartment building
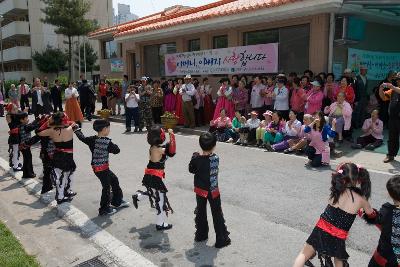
column 23, row 33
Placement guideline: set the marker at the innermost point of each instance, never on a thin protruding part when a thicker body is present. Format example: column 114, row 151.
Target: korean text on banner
column 378, row 63
column 261, row 58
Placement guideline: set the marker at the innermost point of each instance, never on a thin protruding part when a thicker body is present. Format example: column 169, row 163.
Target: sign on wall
column 261, row 58
column 117, row 65
column 378, row 63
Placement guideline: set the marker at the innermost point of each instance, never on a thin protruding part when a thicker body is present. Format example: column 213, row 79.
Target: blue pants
column 131, row 113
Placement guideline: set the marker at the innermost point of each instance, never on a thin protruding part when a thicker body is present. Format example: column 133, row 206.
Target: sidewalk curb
column 117, row 251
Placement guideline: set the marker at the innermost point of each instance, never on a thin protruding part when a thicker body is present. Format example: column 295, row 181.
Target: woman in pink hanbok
column 225, row 100
column 169, row 97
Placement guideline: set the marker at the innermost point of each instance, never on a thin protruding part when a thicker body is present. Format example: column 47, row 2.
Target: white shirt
column 71, row 93
column 253, row 123
column 187, row 91
column 131, row 101
column 281, row 98
column 38, row 92
column 294, row 130
column 256, row 99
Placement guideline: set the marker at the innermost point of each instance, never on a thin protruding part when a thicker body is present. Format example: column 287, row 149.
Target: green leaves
column 51, row 60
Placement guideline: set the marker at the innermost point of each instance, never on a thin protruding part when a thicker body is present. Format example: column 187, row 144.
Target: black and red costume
column 205, row 169
column 387, row 254
column 100, row 148
column 24, row 136
column 13, row 142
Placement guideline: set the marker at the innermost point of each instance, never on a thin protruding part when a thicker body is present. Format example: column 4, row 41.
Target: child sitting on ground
column 373, row 133
column 243, row 132
column 234, row 131
column 387, row 220
column 100, row 146
column 260, row 131
column 205, row 167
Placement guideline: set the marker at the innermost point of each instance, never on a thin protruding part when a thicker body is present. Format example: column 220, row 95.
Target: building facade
column 312, row 34
column 23, row 34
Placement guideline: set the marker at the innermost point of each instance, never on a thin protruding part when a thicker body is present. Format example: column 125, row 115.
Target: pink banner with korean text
column 261, row 58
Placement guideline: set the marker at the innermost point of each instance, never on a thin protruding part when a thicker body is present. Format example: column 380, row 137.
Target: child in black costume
column 205, row 169
column 25, row 130
column 100, row 146
column 13, row 121
column 388, row 221
column 350, row 191
column 154, row 175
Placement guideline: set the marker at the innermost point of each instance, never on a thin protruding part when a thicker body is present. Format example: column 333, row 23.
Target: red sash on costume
column 66, row 150
column 155, row 172
column 331, row 229
column 204, row 193
column 14, row 131
column 100, row 168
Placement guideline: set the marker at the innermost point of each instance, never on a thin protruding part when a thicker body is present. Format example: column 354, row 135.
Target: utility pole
column 3, row 88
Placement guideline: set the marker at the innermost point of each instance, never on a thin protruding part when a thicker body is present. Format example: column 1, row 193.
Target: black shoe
column 135, row 201
column 108, row 211
column 18, row 169
column 287, row 151
column 136, row 129
column 356, row 146
column 127, row 131
column 65, row 199
column 200, row 238
column 163, row 227
column 123, row 204
column 388, row 159
column 223, row 243
column 140, row 130
column 70, row 194
column 268, row 148
column 29, row 176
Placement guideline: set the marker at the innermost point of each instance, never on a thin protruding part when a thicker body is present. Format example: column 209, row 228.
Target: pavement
column 270, row 202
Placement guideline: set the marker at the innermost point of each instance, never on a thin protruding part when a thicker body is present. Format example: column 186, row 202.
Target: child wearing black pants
column 204, row 166
column 100, row 146
column 25, row 130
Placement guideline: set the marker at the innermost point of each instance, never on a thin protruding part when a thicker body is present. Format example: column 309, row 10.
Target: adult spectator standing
column 145, row 92
column 24, row 92
column 314, row 98
column 56, row 96
column 156, row 102
column 86, row 95
column 257, row 98
column 103, row 93
column 124, row 87
column 132, row 110
column 281, row 95
column 41, row 103
column 361, row 99
column 384, row 104
column 187, row 91
column 388, row 91
column 45, row 82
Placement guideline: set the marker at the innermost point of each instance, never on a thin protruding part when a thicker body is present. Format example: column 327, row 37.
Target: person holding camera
column 132, row 108
column 388, row 91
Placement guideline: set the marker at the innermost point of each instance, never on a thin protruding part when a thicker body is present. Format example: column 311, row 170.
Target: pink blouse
column 221, row 122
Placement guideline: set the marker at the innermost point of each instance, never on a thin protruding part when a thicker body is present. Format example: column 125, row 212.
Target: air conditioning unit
column 348, row 30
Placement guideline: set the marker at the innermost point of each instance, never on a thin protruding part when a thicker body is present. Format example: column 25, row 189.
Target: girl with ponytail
column 350, row 191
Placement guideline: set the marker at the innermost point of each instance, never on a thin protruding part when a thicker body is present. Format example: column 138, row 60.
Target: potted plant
column 104, row 113
column 169, row 120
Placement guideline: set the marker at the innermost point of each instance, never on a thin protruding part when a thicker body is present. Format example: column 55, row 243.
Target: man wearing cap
column 187, row 91
column 388, row 91
column 361, row 99
column 145, row 91
column 24, row 90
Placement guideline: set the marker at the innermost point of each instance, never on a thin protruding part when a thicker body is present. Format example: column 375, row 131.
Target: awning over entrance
column 384, row 11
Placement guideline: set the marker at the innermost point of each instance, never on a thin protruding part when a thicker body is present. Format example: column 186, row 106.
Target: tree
column 51, row 60
column 68, row 16
column 91, row 58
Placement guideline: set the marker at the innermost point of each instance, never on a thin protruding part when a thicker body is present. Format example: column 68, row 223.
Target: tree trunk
column 69, row 58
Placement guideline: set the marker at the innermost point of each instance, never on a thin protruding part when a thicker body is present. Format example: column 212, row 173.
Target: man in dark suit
column 56, row 96
column 86, row 95
column 41, row 103
column 362, row 97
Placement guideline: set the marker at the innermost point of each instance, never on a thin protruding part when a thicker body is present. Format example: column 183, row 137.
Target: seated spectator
column 290, row 131
column 340, row 111
column 236, row 125
column 220, row 126
column 373, row 133
column 253, row 124
column 300, row 143
column 318, row 151
column 260, row 131
column 273, row 133
column 243, row 132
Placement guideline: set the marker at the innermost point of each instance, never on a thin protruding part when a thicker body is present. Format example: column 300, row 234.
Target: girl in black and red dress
column 350, row 191
column 154, row 175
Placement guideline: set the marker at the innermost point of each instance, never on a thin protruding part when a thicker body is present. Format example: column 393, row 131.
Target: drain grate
column 95, row 262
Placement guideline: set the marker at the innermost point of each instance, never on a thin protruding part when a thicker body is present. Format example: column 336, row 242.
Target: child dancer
column 100, row 146
column 61, row 133
column 25, row 129
column 388, row 221
column 154, row 175
column 350, row 191
column 12, row 119
column 204, row 166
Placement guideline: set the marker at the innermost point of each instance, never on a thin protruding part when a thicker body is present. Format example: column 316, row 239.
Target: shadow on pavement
column 48, row 217
column 102, row 221
column 201, row 254
column 153, row 241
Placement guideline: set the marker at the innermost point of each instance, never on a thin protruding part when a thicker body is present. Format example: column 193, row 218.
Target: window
column 194, row 45
column 220, row 41
column 261, row 37
column 154, row 58
column 110, row 49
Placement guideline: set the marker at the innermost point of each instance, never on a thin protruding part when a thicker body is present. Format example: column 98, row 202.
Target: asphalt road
column 270, row 201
